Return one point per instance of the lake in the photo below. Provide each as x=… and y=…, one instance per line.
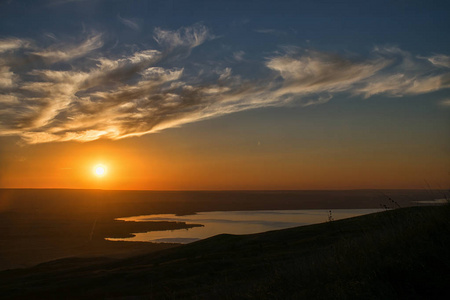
x=234, y=222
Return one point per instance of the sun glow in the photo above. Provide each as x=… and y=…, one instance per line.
x=100, y=170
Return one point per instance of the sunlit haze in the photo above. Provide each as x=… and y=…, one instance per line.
x=224, y=95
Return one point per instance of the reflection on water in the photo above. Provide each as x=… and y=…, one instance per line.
x=435, y=201
x=234, y=222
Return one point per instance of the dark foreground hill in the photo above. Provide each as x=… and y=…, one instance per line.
x=399, y=254
x=40, y=225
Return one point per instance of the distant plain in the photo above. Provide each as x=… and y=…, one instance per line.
x=38, y=225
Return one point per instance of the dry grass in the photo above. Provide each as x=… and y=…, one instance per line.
x=398, y=254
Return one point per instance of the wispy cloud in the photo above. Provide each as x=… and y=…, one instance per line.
x=445, y=102
x=7, y=78
x=407, y=75
x=271, y=31
x=129, y=23
x=313, y=72
x=107, y=96
x=188, y=37
x=238, y=55
x=64, y=52
x=13, y=44
x=440, y=60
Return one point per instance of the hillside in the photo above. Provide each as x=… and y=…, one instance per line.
x=398, y=254
x=40, y=225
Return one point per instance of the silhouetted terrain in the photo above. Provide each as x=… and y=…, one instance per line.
x=397, y=254
x=128, y=203
x=38, y=225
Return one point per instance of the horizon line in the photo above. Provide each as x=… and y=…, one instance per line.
x=228, y=190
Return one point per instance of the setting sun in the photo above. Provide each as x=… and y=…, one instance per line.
x=196, y=149
x=100, y=170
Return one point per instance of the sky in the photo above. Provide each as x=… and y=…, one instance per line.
x=225, y=95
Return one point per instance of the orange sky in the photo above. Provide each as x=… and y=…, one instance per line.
x=225, y=95
x=229, y=154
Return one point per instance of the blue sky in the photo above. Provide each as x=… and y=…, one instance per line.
x=415, y=25
x=80, y=70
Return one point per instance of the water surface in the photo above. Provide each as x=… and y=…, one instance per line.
x=234, y=222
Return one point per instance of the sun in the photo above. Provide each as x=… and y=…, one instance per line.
x=100, y=170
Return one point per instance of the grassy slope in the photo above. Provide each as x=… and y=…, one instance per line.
x=39, y=225
x=390, y=255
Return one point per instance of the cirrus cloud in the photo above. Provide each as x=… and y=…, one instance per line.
x=140, y=92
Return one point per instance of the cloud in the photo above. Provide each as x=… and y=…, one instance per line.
x=12, y=44
x=7, y=78
x=188, y=37
x=445, y=102
x=314, y=72
x=238, y=55
x=271, y=31
x=440, y=60
x=146, y=90
x=225, y=74
x=401, y=84
x=129, y=23
x=406, y=75
x=64, y=52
